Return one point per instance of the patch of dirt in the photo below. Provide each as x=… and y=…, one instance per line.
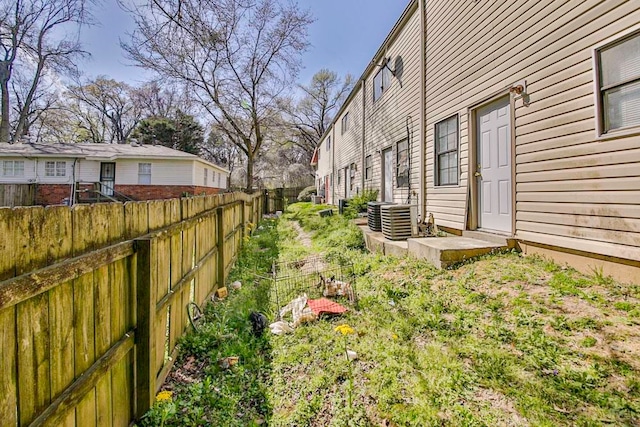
x=312, y=263
x=305, y=238
x=190, y=371
x=500, y=405
x=576, y=308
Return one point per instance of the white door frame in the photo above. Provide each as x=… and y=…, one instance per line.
x=473, y=212
x=383, y=167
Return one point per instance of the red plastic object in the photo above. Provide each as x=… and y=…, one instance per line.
x=325, y=306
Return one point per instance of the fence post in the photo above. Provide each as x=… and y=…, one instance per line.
x=220, y=231
x=244, y=217
x=145, y=320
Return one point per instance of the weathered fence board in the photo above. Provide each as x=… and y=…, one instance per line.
x=7, y=245
x=136, y=215
x=62, y=340
x=84, y=321
x=74, y=284
x=34, y=387
x=8, y=365
x=17, y=195
x=104, y=408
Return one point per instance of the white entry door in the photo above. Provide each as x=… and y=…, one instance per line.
x=347, y=183
x=387, y=175
x=494, y=161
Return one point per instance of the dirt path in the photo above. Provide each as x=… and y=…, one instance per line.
x=305, y=238
x=313, y=262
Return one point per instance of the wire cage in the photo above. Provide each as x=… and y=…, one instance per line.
x=314, y=276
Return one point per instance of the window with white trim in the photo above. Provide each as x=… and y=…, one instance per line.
x=446, y=155
x=328, y=145
x=13, y=168
x=55, y=168
x=144, y=173
x=381, y=81
x=352, y=176
x=206, y=172
x=345, y=124
x=368, y=167
x=618, y=81
x=402, y=163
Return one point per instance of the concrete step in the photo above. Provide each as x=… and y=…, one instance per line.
x=446, y=251
x=376, y=242
x=491, y=237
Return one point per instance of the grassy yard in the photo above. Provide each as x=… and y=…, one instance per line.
x=505, y=340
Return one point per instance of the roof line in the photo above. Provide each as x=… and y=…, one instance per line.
x=395, y=31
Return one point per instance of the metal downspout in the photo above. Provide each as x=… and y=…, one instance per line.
x=333, y=166
x=362, y=157
x=422, y=188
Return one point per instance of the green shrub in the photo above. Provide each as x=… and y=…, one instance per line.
x=359, y=201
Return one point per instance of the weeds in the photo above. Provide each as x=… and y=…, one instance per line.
x=205, y=393
x=506, y=340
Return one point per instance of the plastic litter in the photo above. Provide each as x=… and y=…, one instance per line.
x=352, y=355
x=296, y=307
x=236, y=285
x=325, y=306
x=280, y=328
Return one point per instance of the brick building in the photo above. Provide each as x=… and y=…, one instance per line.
x=64, y=173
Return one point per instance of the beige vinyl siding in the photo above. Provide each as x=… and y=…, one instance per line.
x=348, y=146
x=324, y=167
x=572, y=189
x=387, y=118
x=163, y=172
x=324, y=160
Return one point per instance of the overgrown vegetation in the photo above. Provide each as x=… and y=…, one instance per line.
x=505, y=340
x=358, y=203
x=202, y=391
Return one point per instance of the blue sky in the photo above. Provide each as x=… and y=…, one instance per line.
x=344, y=38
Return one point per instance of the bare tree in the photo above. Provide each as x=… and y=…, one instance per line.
x=109, y=104
x=219, y=150
x=43, y=99
x=56, y=124
x=36, y=32
x=239, y=57
x=162, y=100
x=308, y=117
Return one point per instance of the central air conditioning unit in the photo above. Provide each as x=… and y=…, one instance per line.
x=373, y=215
x=399, y=222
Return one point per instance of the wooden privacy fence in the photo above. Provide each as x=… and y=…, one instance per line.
x=93, y=300
x=17, y=194
x=276, y=199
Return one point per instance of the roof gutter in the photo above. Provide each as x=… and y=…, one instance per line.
x=395, y=31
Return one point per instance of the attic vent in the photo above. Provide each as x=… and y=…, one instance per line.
x=399, y=222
